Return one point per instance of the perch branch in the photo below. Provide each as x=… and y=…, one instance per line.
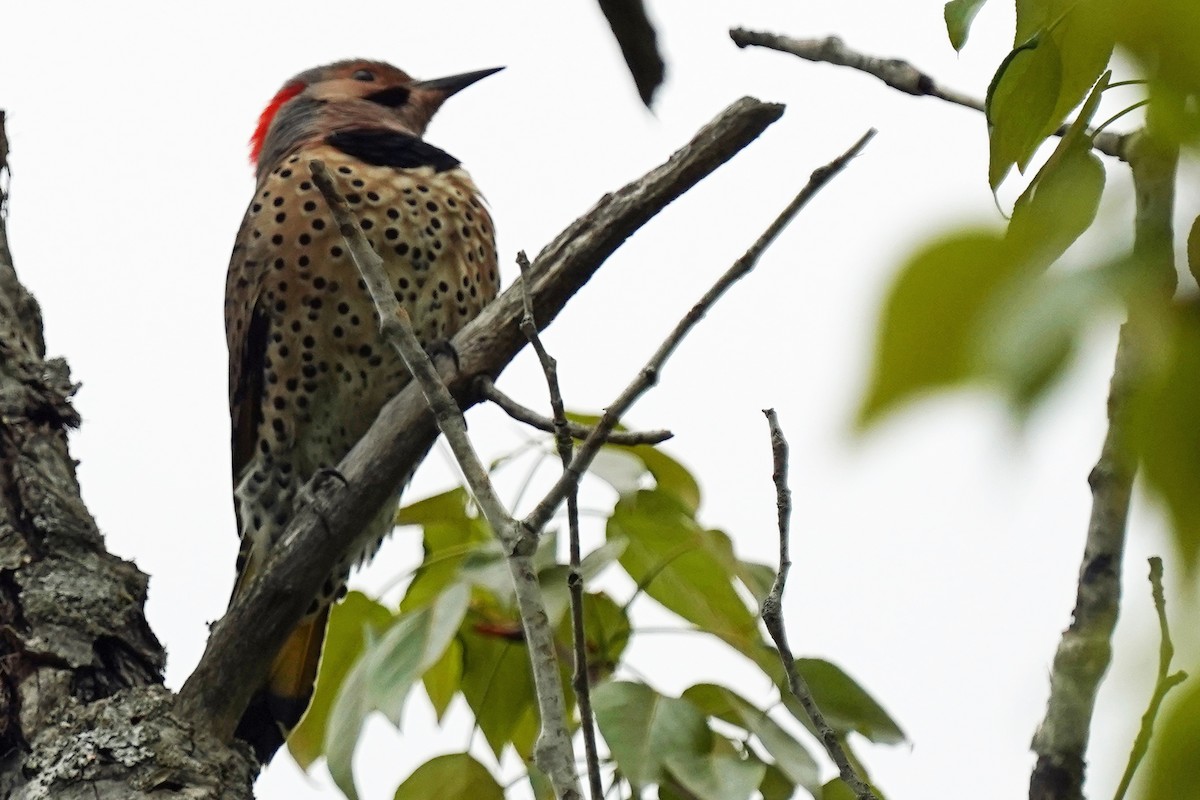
x=896, y=73
x=489, y=391
x=245, y=640
x=648, y=375
x=772, y=616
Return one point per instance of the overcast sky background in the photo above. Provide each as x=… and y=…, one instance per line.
x=935, y=558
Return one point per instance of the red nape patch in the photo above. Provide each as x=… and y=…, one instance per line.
x=268, y=114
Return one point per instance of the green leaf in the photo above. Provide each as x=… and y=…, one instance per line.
x=350, y=623
x=497, y=684
x=1175, y=749
x=846, y=705
x=775, y=785
x=959, y=15
x=718, y=774
x=606, y=634
x=1060, y=203
x=443, y=680
x=1162, y=35
x=929, y=334
x=454, y=540
x=1165, y=428
x=384, y=674
x=642, y=728
x=1020, y=103
x=789, y=755
x=1193, y=249
x=836, y=789
x=457, y=776
x=681, y=565
x=1061, y=47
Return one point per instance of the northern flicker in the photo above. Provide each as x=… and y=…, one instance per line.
x=308, y=371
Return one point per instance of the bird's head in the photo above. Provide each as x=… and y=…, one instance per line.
x=349, y=94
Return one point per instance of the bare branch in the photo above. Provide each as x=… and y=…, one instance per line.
x=1165, y=682
x=562, y=440
x=247, y=637
x=896, y=73
x=772, y=616
x=1085, y=649
x=489, y=391
x=649, y=373
x=553, y=752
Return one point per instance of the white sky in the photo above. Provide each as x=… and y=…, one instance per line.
x=935, y=559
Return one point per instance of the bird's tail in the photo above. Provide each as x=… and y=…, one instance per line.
x=277, y=707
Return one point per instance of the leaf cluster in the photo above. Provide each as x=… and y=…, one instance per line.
x=457, y=634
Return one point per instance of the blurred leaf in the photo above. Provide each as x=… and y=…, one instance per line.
x=682, y=565
x=1162, y=36
x=642, y=727
x=350, y=623
x=789, y=754
x=1037, y=329
x=757, y=578
x=1170, y=773
x=846, y=705
x=1193, y=249
x=928, y=337
x=1165, y=429
x=836, y=789
x=457, y=776
x=384, y=674
x=959, y=15
x=776, y=786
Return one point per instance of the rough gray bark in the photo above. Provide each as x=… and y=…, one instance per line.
x=83, y=713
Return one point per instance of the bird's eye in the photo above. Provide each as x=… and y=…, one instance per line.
x=363, y=75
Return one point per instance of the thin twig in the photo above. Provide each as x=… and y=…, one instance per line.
x=562, y=440
x=489, y=390
x=1165, y=682
x=553, y=751
x=772, y=616
x=896, y=73
x=648, y=375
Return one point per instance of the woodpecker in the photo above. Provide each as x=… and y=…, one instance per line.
x=308, y=370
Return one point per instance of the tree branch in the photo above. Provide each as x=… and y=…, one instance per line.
x=772, y=616
x=245, y=639
x=562, y=438
x=489, y=391
x=1085, y=649
x=896, y=73
x=648, y=375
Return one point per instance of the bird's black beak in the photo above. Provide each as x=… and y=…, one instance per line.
x=455, y=83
